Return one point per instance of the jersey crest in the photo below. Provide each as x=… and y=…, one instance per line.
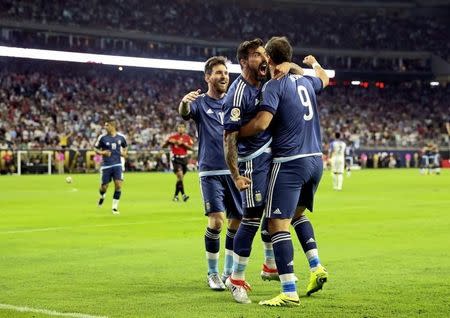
x=235, y=114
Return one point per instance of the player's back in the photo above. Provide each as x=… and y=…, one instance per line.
x=296, y=124
x=208, y=116
x=240, y=106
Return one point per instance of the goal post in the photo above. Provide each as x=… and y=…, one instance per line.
x=19, y=161
x=23, y=153
x=49, y=161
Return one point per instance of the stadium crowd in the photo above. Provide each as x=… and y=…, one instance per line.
x=43, y=109
x=339, y=27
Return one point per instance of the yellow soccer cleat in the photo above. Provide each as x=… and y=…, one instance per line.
x=281, y=301
x=316, y=280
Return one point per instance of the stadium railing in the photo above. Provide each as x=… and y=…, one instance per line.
x=51, y=161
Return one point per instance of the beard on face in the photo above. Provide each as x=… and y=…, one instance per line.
x=256, y=71
x=219, y=87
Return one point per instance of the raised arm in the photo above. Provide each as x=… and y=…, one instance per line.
x=320, y=72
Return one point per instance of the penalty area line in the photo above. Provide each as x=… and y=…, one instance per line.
x=47, y=312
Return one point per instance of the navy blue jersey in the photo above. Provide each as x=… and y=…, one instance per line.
x=240, y=106
x=207, y=114
x=113, y=144
x=295, y=125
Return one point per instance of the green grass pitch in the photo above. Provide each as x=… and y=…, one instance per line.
x=384, y=239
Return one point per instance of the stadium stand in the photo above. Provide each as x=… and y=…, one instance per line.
x=40, y=109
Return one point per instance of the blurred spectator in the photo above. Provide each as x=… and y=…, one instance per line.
x=341, y=27
x=60, y=161
x=363, y=160
x=392, y=161
x=45, y=109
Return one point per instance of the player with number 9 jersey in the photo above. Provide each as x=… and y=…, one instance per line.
x=293, y=99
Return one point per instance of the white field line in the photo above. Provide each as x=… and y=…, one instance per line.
x=59, y=228
x=47, y=312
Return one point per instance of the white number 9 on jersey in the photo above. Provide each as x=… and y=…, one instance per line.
x=306, y=101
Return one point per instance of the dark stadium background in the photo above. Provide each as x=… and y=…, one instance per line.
x=395, y=49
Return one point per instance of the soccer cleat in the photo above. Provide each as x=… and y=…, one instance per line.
x=100, y=202
x=175, y=199
x=282, y=300
x=238, y=290
x=269, y=273
x=115, y=212
x=215, y=283
x=316, y=280
x=185, y=197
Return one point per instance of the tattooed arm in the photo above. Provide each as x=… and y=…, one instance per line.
x=231, y=157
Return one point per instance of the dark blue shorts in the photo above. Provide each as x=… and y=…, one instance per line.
x=257, y=170
x=111, y=173
x=221, y=195
x=292, y=184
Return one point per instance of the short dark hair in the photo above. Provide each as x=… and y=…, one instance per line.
x=111, y=121
x=213, y=61
x=279, y=49
x=337, y=135
x=245, y=47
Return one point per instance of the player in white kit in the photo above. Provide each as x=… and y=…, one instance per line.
x=337, y=157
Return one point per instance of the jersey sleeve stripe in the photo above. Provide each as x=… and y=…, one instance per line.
x=97, y=143
x=239, y=94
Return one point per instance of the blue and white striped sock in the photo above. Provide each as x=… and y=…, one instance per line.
x=305, y=234
x=228, y=265
x=313, y=259
x=243, y=247
x=288, y=285
x=239, y=266
x=284, y=257
x=212, y=245
x=269, y=257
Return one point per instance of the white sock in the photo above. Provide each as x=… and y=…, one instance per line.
x=340, y=180
x=269, y=258
x=239, y=266
x=291, y=280
x=334, y=175
x=115, y=204
x=213, y=262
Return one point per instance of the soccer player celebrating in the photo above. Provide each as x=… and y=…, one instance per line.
x=218, y=190
x=180, y=143
x=290, y=105
x=337, y=157
x=249, y=160
x=251, y=173
x=112, y=146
